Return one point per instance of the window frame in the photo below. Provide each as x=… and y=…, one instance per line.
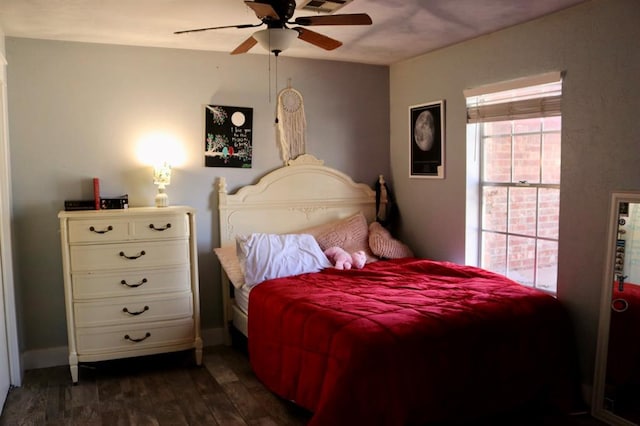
x=482, y=184
x=485, y=105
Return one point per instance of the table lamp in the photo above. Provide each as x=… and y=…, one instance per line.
x=162, y=177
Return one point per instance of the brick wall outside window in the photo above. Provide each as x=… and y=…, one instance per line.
x=521, y=194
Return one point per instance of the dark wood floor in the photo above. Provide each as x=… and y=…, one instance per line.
x=156, y=390
x=170, y=390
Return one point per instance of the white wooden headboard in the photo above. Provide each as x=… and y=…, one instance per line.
x=302, y=194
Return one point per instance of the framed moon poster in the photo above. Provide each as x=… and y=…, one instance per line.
x=427, y=140
x=228, y=136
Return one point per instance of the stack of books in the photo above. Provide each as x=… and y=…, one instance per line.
x=98, y=202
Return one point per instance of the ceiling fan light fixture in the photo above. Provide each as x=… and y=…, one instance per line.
x=276, y=40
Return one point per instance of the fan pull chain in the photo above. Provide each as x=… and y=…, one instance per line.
x=276, y=53
x=269, y=34
x=269, y=76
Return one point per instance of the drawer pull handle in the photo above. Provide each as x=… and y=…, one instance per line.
x=167, y=226
x=124, y=282
x=126, y=311
x=146, y=336
x=142, y=253
x=104, y=231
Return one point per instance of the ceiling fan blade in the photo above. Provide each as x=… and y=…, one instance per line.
x=245, y=46
x=317, y=39
x=218, y=28
x=343, y=19
x=262, y=10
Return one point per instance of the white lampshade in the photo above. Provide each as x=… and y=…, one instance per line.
x=276, y=40
x=162, y=174
x=162, y=177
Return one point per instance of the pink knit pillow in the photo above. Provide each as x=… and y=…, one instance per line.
x=231, y=264
x=350, y=234
x=382, y=244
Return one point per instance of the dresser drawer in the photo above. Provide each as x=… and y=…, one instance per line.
x=87, y=285
x=97, y=340
x=129, y=255
x=131, y=310
x=160, y=227
x=111, y=229
x=98, y=230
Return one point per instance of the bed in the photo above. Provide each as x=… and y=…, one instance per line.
x=401, y=341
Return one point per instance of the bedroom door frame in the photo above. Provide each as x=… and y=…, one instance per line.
x=10, y=368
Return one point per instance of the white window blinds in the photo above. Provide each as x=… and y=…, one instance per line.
x=539, y=96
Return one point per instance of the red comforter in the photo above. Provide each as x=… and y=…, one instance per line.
x=408, y=341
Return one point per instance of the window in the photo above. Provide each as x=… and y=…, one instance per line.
x=517, y=132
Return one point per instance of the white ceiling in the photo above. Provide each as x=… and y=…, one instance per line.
x=401, y=28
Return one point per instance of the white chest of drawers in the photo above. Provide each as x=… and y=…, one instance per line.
x=131, y=283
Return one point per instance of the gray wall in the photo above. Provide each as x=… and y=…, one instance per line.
x=598, y=45
x=80, y=110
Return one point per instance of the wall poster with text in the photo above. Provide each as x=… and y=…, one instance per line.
x=228, y=136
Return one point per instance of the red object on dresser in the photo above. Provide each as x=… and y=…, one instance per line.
x=96, y=193
x=408, y=341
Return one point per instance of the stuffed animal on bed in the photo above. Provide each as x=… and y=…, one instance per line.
x=341, y=259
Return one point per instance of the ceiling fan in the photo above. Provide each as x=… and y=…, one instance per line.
x=275, y=14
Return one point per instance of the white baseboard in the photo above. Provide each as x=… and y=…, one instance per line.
x=44, y=358
x=213, y=336
x=587, y=394
x=53, y=357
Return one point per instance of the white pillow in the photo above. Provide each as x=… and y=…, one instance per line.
x=267, y=256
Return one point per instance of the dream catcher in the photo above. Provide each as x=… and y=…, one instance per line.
x=291, y=123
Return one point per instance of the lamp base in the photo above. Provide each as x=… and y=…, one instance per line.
x=162, y=199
